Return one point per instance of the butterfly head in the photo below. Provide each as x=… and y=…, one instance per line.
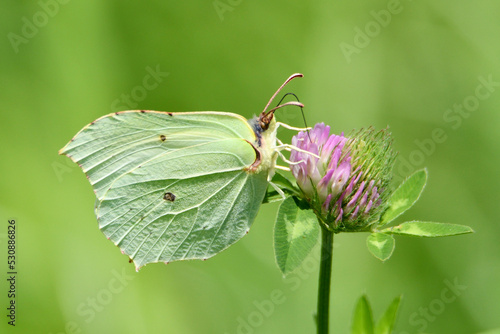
x=265, y=128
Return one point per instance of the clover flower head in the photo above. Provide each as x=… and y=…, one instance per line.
x=344, y=179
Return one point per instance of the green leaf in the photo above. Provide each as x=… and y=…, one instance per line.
x=284, y=184
x=363, y=319
x=428, y=229
x=386, y=323
x=295, y=234
x=381, y=245
x=272, y=196
x=405, y=196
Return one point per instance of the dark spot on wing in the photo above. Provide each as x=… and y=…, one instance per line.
x=117, y=113
x=130, y=260
x=163, y=138
x=143, y=111
x=170, y=114
x=169, y=197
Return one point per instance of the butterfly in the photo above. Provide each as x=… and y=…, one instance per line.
x=178, y=185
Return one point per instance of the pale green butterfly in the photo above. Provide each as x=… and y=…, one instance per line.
x=178, y=186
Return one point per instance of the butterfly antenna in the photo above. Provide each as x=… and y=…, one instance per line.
x=291, y=103
x=293, y=76
x=286, y=96
x=301, y=110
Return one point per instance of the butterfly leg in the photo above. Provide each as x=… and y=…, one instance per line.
x=289, y=127
x=286, y=169
x=288, y=147
x=278, y=189
x=288, y=161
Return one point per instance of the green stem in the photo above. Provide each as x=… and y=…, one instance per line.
x=325, y=274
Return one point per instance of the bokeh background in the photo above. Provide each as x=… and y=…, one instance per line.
x=429, y=70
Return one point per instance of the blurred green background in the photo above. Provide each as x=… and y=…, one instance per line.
x=417, y=66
